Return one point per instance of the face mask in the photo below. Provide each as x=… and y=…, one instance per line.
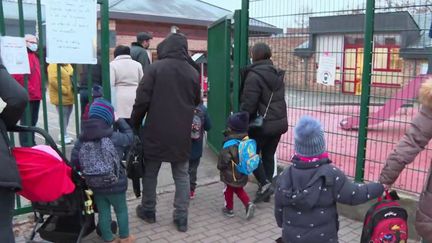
x=33, y=47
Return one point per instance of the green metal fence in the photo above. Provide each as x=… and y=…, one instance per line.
x=49, y=119
x=370, y=58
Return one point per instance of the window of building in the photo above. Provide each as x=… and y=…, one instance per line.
x=386, y=58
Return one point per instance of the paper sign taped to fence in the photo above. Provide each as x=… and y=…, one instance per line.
x=71, y=28
x=326, y=70
x=14, y=55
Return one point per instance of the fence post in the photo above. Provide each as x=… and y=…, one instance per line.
x=104, y=20
x=237, y=63
x=365, y=93
x=42, y=63
x=60, y=109
x=27, y=114
x=2, y=20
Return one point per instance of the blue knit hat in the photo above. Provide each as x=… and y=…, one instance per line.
x=239, y=122
x=102, y=109
x=309, y=137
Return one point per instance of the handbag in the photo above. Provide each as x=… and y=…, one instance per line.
x=258, y=122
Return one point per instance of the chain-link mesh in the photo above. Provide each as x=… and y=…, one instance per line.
x=323, y=41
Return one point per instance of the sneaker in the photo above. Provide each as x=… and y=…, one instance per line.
x=192, y=194
x=250, y=210
x=181, y=224
x=68, y=139
x=147, y=216
x=228, y=212
x=264, y=193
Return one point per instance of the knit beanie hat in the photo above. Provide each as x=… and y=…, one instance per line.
x=97, y=91
x=309, y=137
x=103, y=110
x=239, y=122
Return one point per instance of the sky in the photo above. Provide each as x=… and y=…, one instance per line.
x=227, y=4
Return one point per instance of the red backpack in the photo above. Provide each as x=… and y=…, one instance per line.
x=385, y=221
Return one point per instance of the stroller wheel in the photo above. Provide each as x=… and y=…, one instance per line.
x=113, y=228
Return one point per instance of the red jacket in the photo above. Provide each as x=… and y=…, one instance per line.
x=34, y=78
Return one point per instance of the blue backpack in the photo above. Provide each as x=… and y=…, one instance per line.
x=248, y=158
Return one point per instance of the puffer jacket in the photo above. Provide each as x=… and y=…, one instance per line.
x=16, y=99
x=306, y=196
x=412, y=143
x=260, y=80
x=228, y=157
x=66, y=84
x=94, y=129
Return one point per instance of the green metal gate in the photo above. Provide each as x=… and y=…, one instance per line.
x=219, y=73
x=382, y=51
x=46, y=123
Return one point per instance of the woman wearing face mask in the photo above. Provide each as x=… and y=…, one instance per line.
x=34, y=89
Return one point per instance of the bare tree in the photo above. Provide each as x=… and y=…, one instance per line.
x=302, y=19
x=413, y=6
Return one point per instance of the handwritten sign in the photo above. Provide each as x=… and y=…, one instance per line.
x=14, y=55
x=326, y=70
x=71, y=31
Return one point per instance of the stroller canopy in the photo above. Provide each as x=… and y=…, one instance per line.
x=45, y=177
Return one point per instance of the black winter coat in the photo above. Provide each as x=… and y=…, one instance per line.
x=167, y=96
x=95, y=129
x=306, y=196
x=139, y=54
x=228, y=173
x=16, y=98
x=260, y=79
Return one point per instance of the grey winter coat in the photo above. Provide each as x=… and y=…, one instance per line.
x=412, y=143
x=306, y=196
x=167, y=97
x=16, y=98
x=139, y=54
x=95, y=129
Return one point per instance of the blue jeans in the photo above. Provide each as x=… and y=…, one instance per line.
x=6, y=214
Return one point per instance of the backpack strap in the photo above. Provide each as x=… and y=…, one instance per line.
x=231, y=142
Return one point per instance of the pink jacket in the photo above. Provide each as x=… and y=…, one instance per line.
x=34, y=78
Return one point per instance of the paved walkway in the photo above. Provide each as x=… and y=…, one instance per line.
x=207, y=224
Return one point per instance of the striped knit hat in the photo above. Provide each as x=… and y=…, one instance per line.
x=102, y=109
x=309, y=137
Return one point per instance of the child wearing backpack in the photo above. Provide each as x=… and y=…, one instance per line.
x=237, y=129
x=307, y=192
x=200, y=123
x=97, y=154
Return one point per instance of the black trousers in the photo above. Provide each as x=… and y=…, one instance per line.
x=27, y=139
x=267, y=146
x=7, y=197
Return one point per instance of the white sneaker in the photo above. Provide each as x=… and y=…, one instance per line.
x=68, y=139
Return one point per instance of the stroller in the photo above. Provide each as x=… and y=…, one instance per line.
x=69, y=218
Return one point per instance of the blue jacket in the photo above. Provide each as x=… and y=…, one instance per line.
x=306, y=196
x=197, y=145
x=94, y=129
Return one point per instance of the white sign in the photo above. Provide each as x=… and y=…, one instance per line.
x=424, y=68
x=71, y=31
x=326, y=69
x=14, y=55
